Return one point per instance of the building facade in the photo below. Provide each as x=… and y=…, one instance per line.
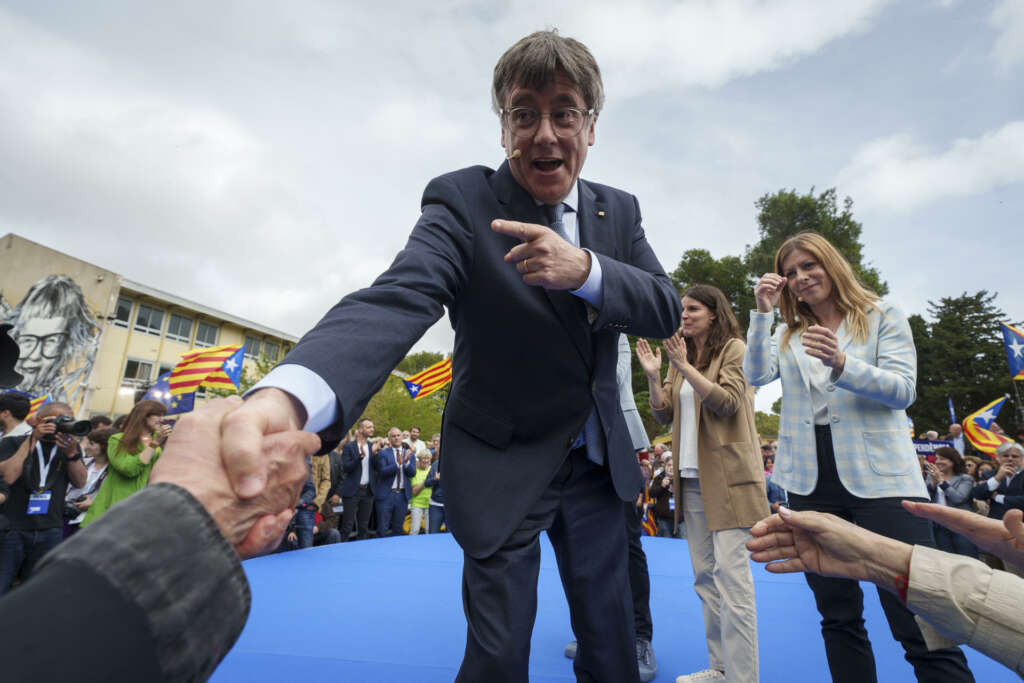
x=97, y=340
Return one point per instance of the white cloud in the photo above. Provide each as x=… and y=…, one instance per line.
x=1008, y=20
x=898, y=174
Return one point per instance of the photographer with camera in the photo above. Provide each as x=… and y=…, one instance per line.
x=38, y=467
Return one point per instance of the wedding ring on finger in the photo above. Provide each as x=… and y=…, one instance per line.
x=526, y=268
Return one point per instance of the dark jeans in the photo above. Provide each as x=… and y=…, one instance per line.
x=583, y=518
x=21, y=550
x=361, y=503
x=435, y=519
x=639, y=578
x=952, y=542
x=841, y=601
x=304, y=521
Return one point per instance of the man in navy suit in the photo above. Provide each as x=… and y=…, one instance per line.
x=1005, y=489
x=357, y=490
x=540, y=272
x=394, y=465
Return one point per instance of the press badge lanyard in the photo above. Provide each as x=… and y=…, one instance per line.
x=44, y=467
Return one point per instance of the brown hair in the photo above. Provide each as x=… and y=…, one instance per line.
x=724, y=325
x=536, y=60
x=100, y=436
x=953, y=455
x=135, y=424
x=852, y=299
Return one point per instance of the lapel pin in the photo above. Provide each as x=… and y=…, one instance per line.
x=600, y=213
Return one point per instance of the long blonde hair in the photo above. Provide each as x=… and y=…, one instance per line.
x=852, y=299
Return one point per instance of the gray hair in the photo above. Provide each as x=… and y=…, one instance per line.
x=536, y=60
x=1008, y=445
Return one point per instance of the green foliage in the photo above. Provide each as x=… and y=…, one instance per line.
x=960, y=355
x=786, y=213
x=777, y=406
x=415, y=362
x=780, y=216
x=767, y=425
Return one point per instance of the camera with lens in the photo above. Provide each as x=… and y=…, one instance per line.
x=66, y=424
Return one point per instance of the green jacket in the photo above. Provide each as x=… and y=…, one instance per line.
x=126, y=474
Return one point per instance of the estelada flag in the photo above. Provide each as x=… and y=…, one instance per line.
x=1013, y=340
x=428, y=381
x=35, y=403
x=218, y=367
x=976, y=427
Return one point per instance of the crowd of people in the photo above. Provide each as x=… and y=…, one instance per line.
x=840, y=495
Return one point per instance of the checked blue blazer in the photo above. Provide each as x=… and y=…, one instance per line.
x=875, y=457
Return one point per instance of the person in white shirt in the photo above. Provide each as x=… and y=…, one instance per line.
x=14, y=408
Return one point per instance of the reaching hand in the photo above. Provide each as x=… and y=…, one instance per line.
x=767, y=291
x=1003, y=538
x=827, y=545
x=650, y=361
x=244, y=432
x=544, y=258
x=192, y=460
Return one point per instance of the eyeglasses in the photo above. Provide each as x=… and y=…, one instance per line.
x=51, y=344
x=567, y=122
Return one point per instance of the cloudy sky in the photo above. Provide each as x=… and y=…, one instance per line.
x=265, y=158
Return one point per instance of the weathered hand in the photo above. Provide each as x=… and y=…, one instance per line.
x=825, y=544
x=193, y=461
x=1003, y=538
x=822, y=343
x=767, y=291
x=243, y=436
x=544, y=258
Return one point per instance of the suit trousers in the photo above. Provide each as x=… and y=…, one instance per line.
x=391, y=511
x=639, y=577
x=356, y=508
x=725, y=585
x=583, y=517
x=841, y=601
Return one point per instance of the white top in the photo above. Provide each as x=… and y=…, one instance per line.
x=21, y=429
x=364, y=476
x=820, y=377
x=687, y=432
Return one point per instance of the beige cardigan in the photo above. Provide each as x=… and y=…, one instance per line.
x=728, y=455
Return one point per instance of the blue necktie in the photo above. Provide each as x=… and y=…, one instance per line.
x=591, y=435
x=554, y=215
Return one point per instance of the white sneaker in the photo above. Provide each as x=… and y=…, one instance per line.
x=705, y=675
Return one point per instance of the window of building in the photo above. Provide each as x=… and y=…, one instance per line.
x=206, y=334
x=252, y=347
x=271, y=350
x=123, y=312
x=164, y=369
x=179, y=328
x=149, y=320
x=137, y=373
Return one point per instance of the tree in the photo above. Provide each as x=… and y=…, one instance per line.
x=786, y=213
x=767, y=425
x=959, y=356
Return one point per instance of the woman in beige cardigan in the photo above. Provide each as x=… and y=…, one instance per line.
x=718, y=470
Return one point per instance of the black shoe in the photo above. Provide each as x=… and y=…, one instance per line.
x=645, y=660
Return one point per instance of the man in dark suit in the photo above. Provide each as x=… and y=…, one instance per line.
x=360, y=481
x=540, y=272
x=1005, y=489
x=394, y=465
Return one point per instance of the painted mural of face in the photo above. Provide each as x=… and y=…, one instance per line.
x=43, y=343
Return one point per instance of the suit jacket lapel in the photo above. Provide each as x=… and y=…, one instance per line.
x=796, y=348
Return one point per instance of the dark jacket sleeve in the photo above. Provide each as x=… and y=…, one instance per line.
x=177, y=628
x=981, y=491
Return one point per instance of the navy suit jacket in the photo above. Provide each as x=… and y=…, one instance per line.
x=351, y=463
x=528, y=367
x=1011, y=488
x=384, y=464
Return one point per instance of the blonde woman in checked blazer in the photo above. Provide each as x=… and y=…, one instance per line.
x=849, y=370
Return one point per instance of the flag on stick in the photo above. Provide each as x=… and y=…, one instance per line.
x=976, y=427
x=218, y=367
x=1013, y=340
x=35, y=403
x=428, y=381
